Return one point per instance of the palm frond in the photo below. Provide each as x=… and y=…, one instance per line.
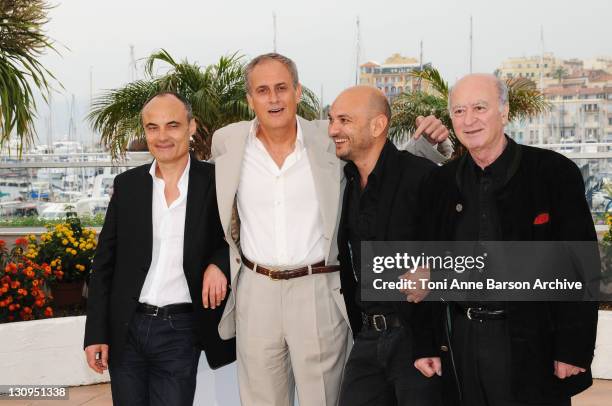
x=22, y=41
x=216, y=92
x=433, y=76
x=525, y=99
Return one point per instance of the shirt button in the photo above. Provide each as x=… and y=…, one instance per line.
x=459, y=207
x=444, y=348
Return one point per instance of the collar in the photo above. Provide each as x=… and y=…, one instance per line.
x=184, y=179
x=252, y=137
x=503, y=168
x=350, y=169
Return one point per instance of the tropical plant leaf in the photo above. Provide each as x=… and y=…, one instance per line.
x=216, y=92
x=22, y=41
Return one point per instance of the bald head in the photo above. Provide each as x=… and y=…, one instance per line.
x=480, y=80
x=479, y=109
x=358, y=122
x=371, y=99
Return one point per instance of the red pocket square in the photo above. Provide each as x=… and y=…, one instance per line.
x=541, y=218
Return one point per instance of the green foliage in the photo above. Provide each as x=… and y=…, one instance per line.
x=34, y=221
x=22, y=41
x=217, y=94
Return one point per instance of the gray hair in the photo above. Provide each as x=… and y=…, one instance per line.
x=178, y=96
x=272, y=56
x=502, y=92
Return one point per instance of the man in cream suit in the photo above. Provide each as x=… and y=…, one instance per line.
x=278, y=189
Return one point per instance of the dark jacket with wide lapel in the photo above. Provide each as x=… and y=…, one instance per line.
x=539, y=182
x=123, y=258
x=399, y=218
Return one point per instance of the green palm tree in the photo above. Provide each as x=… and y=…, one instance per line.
x=560, y=73
x=217, y=94
x=524, y=98
x=22, y=41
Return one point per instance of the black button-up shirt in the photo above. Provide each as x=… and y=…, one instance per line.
x=362, y=221
x=480, y=219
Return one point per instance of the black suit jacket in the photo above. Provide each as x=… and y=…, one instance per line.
x=540, y=181
x=400, y=218
x=123, y=258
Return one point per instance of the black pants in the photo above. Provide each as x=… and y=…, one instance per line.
x=160, y=363
x=482, y=354
x=380, y=371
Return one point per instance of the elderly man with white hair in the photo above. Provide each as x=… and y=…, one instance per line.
x=510, y=353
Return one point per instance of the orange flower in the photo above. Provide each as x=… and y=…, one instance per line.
x=11, y=307
x=2, y=244
x=48, y=312
x=21, y=241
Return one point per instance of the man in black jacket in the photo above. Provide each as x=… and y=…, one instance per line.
x=381, y=203
x=511, y=353
x=160, y=262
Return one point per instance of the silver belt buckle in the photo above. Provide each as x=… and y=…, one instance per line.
x=468, y=313
x=156, y=311
x=381, y=317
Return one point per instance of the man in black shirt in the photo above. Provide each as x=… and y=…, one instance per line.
x=511, y=353
x=381, y=203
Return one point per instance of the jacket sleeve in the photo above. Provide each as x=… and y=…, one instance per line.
x=220, y=256
x=98, y=301
x=423, y=148
x=427, y=315
x=575, y=323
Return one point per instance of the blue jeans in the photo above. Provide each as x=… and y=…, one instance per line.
x=159, y=364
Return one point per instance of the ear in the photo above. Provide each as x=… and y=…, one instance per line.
x=250, y=100
x=192, y=127
x=378, y=125
x=505, y=114
x=298, y=92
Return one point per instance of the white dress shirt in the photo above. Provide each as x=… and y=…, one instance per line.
x=165, y=282
x=280, y=219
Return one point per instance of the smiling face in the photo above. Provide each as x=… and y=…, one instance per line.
x=272, y=95
x=475, y=111
x=355, y=124
x=167, y=129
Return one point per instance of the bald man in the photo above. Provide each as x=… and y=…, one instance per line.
x=511, y=353
x=381, y=203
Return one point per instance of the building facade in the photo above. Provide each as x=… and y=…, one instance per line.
x=393, y=76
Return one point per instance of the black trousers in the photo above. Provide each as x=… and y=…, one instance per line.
x=380, y=372
x=160, y=363
x=482, y=354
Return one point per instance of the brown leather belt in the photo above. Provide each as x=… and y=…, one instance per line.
x=313, y=269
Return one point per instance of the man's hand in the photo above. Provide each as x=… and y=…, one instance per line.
x=432, y=128
x=214, y=287
x=429, y=366
x=418, y=293
x=563, y=370
x=98, y=364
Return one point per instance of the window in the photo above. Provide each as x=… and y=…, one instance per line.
x=609, y=120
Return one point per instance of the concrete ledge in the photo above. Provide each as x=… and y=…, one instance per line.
x=602, y=363
x=46, y=352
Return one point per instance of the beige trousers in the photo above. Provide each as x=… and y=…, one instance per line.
x=290, y=334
